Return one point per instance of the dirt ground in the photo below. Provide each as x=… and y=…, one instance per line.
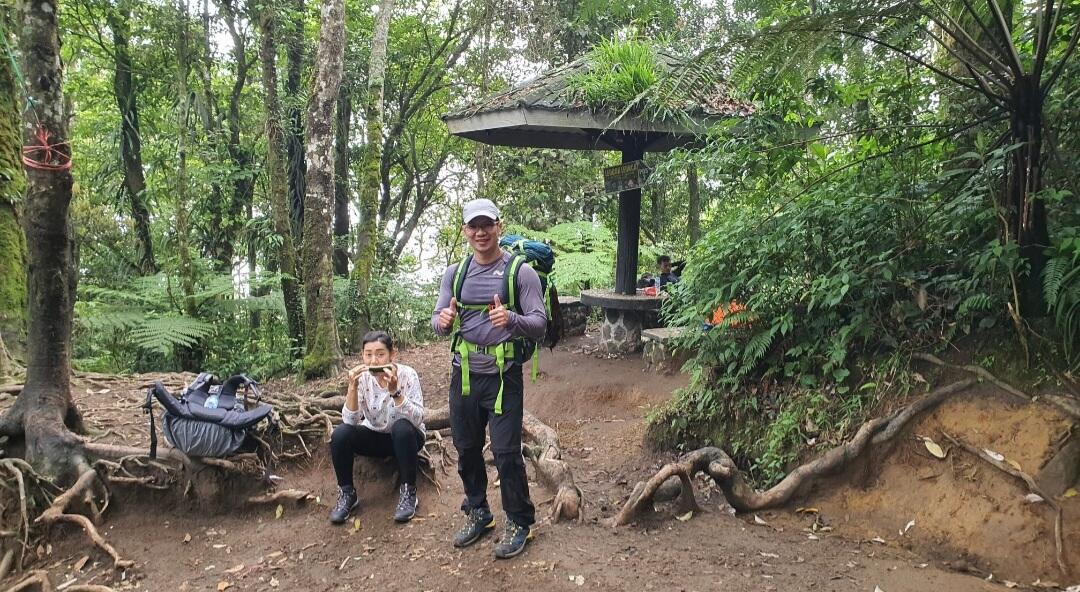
x=972, y=531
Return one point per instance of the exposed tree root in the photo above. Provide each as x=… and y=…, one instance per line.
x=744, y=498
x=40, y=579
x=58, y=512
x=1033, y=487
x=978, y=371
x=297, y=496
x=546, y=456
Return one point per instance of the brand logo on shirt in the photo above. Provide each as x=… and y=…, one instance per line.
x=497, y=273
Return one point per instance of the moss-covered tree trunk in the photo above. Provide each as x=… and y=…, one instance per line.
x=44, y=412
x=323, y=356
x=12, y=186
x=370, y=180
x=279, y=182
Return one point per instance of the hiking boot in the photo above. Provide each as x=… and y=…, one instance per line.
x=346, y=503
x=513, y=540
x=478, y=522
x=406, y=506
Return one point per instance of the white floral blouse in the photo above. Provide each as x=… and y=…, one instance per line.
x=377, y=410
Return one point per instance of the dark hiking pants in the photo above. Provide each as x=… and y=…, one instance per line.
x=470, y=416
x=403, y=443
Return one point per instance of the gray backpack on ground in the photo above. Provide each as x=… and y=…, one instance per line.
x=197, y=430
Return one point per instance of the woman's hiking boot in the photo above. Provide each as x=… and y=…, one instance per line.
x=346, y=503
x=406, y=507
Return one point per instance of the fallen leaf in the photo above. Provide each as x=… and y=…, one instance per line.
x=356, y=524
x=81, y=563
x=1070, y=492
x=187, y=537
x=1033, y=498
x=806, y=510
x=685, y=516
x=279, y=512
x=933, y=448
x=1009, y=584
x=994, y=455
x=812, y=537
x=908, y=526
x=1012, y=463
x=223, y=585
x=758, y=520
x=235, y=569
x=878, y=540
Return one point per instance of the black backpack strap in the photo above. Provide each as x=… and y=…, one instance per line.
x=148, y=407
x=459, y=277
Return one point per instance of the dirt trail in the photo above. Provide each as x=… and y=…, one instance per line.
x=598, y=406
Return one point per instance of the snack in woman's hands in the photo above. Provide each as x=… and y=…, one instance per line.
x=384, y=368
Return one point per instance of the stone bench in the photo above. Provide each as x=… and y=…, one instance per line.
x=659, y=352
x=575, y=315
x=625, y=316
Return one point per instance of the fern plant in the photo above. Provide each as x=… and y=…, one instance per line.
x=1061, y=282
x=142, y=324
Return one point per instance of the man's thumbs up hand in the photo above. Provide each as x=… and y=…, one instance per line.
x=500, y=317
x=447, y=315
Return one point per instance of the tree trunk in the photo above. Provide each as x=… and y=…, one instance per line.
x=130, y=138
x=370, y=175
x=294, y=133
x=323, y=355
x=12, y=186
x=216, y=243
x=44, y=410
x=243, y=184
x=191, y=359
x=695, y=204
x=1026, y=214
x=279, y=199
x=341, y=186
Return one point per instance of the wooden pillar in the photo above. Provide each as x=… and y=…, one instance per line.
x=626, y=255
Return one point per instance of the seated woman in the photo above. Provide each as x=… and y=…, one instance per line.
x=383, y=416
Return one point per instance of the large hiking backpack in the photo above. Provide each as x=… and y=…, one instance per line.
x=541, y=258
x=197, y=430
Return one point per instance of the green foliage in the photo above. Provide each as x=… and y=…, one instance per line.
x=1061, y=280
x=619, y=72
x=140, y=326
x=584, y=254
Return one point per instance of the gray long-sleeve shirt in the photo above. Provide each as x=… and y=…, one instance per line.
x=482, y=283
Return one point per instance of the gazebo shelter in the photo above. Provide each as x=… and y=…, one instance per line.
x=543, y=113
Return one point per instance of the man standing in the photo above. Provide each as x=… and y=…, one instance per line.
x=493, y=306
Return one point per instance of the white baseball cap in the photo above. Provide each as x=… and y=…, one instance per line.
x=479, y=207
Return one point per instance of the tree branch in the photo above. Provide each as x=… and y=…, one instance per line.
x=913, y=58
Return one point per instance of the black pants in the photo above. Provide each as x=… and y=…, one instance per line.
x=469, y=417
x=403, y=442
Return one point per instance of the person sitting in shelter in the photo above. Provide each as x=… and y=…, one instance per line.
x=383, y=416
x=664, y=271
